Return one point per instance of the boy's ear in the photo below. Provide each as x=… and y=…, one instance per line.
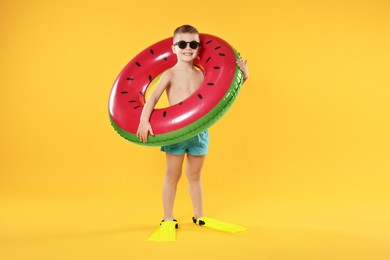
x=173, y=49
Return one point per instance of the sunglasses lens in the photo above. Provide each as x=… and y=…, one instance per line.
x=194, y=45
x=182, y=44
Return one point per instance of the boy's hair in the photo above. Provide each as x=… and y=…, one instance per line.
x=185, y=29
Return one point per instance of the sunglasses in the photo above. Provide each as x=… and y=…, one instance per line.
x=183, y=44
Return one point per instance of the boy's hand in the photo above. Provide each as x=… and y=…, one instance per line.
x=143, y=131
x=243, y=68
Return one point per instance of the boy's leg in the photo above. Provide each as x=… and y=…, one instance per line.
x=174, y=165
x=193, y=172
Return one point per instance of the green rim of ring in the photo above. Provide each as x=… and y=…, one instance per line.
x=196, y=127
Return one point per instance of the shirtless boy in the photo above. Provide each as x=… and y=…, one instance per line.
x=179, y=82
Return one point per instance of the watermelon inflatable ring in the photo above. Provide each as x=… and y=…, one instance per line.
x=222, y=82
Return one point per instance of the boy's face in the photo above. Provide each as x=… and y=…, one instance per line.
x=188, y=53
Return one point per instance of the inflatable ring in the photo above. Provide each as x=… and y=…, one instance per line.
x=173, y=124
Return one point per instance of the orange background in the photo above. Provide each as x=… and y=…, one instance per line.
x=301, y=159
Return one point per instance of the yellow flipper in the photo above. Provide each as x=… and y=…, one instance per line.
x=165, y=232
x=218, y=225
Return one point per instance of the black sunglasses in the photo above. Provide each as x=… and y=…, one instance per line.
x=183, y=44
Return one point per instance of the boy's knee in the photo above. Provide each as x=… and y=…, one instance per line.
x=193, y=176
x=172, y=176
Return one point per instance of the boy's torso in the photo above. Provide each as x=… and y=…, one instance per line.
x=182, y=84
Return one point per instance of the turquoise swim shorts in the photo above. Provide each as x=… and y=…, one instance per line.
x=197, y=145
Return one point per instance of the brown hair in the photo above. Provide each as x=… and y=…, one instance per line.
x=185, y=29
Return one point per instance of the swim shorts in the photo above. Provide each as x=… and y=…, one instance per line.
x=197, y=145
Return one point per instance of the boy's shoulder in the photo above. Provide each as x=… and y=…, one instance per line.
x=167, y=73
x=170, y=73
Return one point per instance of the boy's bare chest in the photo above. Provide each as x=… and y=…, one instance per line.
x=186, y=82
x=182, y=85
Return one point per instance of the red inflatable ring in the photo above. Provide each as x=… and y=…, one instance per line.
x=222, y=82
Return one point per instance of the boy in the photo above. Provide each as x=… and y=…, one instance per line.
x=180, y=81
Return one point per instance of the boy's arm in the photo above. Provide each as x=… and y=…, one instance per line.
x=144, y=127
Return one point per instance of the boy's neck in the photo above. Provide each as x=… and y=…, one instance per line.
x=184, y=64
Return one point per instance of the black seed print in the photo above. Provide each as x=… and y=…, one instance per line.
x=138, y=64
x=210, y=84
x=209, y=42
x=208, y=59
x=132, y=101
x=218, y=47
x=129, y=78
x=151, y=51
x=165, y=58
x=137, y=107
x=150, y=78
x=221, y=54
x=181, y=103
x=142, y=94
x=165, y=114
x=217, y=67
x=124, y=92
x=200, y=96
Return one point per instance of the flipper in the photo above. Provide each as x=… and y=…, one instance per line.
x=218, y=225
x=165, y=232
